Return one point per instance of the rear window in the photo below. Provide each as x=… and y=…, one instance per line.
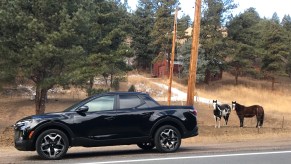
x=149, y=101
x=129, y=101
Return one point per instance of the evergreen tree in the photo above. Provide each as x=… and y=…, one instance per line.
x=213, y=43
x=163, y=25
x=61, y=42
x=143, y=21
x=183, y=24
x=185, y=51
x=286, y=22
x=101, y=27
x=275, y=44
x=244, y=34
x=37, y=40
x=214, y=14
x=275, y=18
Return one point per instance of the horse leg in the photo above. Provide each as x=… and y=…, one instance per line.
x=219, y=122
x=258, y=120
x=241, y=122
x=262, y=120
x=226, y=119
x=215, y=119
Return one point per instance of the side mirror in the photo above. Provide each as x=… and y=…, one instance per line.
x=82, y=109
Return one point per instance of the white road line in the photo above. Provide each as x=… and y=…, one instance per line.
x=190, y=157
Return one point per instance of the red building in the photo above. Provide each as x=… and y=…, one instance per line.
x=160, y=66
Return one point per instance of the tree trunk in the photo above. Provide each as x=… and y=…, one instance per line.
x=40, y=99
x=236, y=75
x=273, y=83
x=91, y=83
x=207, y=76
x=111, y=80
x=105, y=76
x=236, y=78
x=220, y=73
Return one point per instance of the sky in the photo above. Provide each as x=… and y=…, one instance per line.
x=265, y=8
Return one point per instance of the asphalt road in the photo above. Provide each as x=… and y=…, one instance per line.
x=280, y=157
x=278, y=152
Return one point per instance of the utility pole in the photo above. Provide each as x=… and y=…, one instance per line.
x=172, y=56
x=194, y=54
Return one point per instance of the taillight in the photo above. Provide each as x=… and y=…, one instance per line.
x=194, y=111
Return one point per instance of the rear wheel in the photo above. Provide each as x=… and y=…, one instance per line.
x=167, y=139
x=146, y=145
x=52, y=144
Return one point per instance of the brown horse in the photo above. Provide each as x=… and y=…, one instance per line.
x=251, y=111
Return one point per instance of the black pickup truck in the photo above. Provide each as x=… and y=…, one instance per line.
x=115, y=118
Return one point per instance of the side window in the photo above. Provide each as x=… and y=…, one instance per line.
x=129, y=101
x=101, y=104
x=149, y=102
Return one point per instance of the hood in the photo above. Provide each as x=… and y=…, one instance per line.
x=46, y=116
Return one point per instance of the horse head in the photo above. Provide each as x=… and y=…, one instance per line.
x=214, y=104
x=233, y=105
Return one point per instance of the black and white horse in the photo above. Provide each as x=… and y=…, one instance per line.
x=219, y=111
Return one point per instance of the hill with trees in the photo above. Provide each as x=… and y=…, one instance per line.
x=70, y=42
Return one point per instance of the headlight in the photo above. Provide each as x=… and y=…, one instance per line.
x=24, y=124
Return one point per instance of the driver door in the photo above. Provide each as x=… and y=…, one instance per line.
x=98, y=123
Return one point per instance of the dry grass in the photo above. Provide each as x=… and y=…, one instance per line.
x=248, y=92
x=144, y=84
x=271, y=101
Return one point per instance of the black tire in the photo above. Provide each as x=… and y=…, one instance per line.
x=146, y=145
x=167, y=139
x=52, y=144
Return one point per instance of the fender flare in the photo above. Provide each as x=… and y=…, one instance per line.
x=173, y=120
x=52, y=123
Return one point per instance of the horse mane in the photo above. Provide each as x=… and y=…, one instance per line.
x=239, y=106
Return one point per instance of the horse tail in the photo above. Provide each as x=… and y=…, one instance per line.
x=262, y=118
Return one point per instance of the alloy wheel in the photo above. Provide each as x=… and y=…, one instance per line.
x=52, y=144
x=169, y=139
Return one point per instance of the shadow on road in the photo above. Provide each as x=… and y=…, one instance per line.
x=112, y=153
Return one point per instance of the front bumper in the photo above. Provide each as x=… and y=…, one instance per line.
x=21, y=142
x=24, y=145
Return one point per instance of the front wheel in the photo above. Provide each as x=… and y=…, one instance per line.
x=167, y=139
x=52, y=144
x=146, y=145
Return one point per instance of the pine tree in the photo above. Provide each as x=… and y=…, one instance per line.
x=36, y=34
x=183, y=24
x=244, y=34
x=63, y=42
x=275, y=44
x=286, y=22
x=143, y=21
x=213, y=42
x=275, y=18
x=101, y=27
x=163, y=25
